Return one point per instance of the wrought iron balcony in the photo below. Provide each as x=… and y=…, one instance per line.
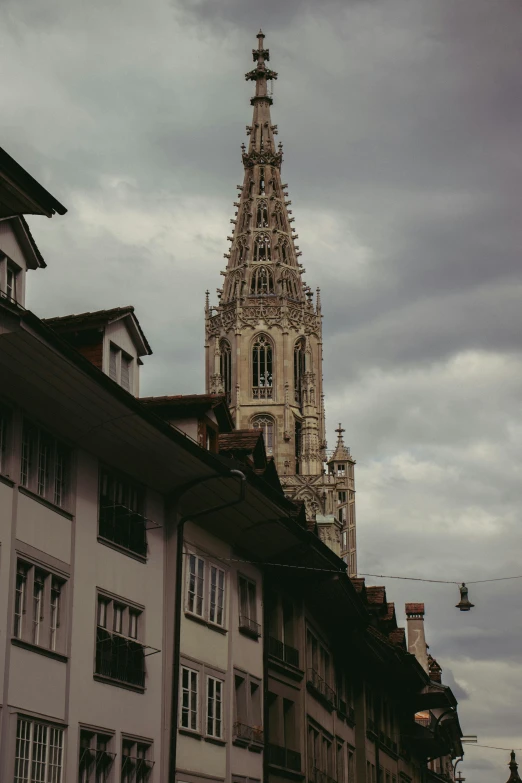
x=119, y=658
x=320, y=686
x=283, y=651
x=284, y=757
x=124, y=527
x=318, y=776
x=249, y=626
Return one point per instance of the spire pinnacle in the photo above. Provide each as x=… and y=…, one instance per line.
x=341, y=452
x=514, y=777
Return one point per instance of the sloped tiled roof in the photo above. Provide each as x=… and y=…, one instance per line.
x=239, y=440
x=95, y=320
x=173, y=406
x=21, y=194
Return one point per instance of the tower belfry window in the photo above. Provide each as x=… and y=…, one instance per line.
x=262, y=249
x=262, y=372
x=262, y=215
x=262, y=281
x=261, y=181
x=225, y=368
x=299, y=369
x=265, y=423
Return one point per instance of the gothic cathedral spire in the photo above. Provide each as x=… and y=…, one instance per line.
x=264, y=339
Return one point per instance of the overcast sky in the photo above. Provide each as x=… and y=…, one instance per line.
x=401, y=122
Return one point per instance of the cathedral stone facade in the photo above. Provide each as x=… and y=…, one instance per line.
x=263, y=341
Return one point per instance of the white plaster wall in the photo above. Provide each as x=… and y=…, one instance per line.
x=6, y=506
x=188, y=426
x=10, y=247
x=119, y=334
x=43, y=528
x=37, y=683
x=98, y=566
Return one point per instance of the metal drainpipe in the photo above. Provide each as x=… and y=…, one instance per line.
x=378, y=712
x=178, y=592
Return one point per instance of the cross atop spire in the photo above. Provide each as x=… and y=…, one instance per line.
x=341, y=451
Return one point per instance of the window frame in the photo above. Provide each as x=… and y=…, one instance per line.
x=142, y=773
x=116, y=358
x=209, y=563
x=97, y=736
x=129, y=501
x=6, y=435
x=262, y=367
x=35, y=624
x=46, y=465
x=214, y=716
x=268, y=429
x=202, y=672
x=107, y=641
x=7, y=267
x=41, y=728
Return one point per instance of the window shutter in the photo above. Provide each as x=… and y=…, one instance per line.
x=112, y=364
x=125, y=372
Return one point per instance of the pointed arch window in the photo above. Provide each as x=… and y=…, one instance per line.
x=262, y=248
x=266, y=424
x=262, y=215
x=289, y=285
x=262, y=281
x=262, y=368
x=261, y=181
x=242, y=245
x=225, y=368
x=299, y=370
x=279, y=219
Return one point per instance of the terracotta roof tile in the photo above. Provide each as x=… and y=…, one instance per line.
x=183, y=400
x=359, y=584
x=239, y=440
x=84, y=320
x=398, y=637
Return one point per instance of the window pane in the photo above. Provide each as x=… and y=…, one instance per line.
x=38, y=605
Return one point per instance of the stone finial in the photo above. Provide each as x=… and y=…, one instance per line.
x=341, y=452
x=514, y=777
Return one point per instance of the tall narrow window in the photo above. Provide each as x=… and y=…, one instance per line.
x=299, y=369
x=4, y=428
x=44, y=465
x=225, y=368
x=196, y=576
x=247, y=607
x=262, y=215
x=126, y=371
x=266, y=424
x=261, y=182
x=21, y=586
x=189, y=718
x=214, y=707
x=39, y=752
x=217, y=596
x=262, y=248
x=262, y=375
x=113, y=362
x=10, y=282
x=38, y=615
x=262, y=282
x=54, y=618
x=297, y=444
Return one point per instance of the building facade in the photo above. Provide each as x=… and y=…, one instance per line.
x=263, y=342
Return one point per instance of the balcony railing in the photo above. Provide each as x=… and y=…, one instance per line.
x=119, y=658
x=318, y=776
x=124, y=527
x=262, y=392
x=283, y=651
x=244, y=734
x=249, y=626
x=321, y=686
x=284, y=757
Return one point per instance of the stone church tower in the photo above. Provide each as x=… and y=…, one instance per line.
x=263, y=341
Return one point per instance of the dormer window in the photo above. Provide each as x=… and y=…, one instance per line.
x=120, y=367
x=9, y=280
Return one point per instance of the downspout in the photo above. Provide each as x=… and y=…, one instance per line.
x=378, y=712
x=178, y=593
x=265, y=677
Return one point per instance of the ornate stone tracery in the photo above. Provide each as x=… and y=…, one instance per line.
x=264, y=339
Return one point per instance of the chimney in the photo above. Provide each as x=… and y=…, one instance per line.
x=416, y=638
